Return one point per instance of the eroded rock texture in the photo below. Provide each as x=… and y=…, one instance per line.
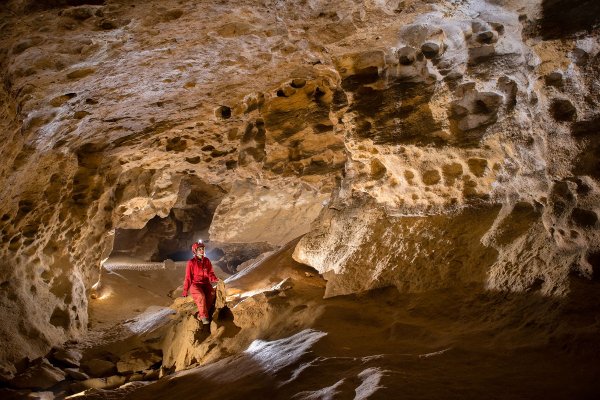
x=420, y=144
x=473, y=112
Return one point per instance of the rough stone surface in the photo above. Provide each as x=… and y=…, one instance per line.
x=187, y=341
x=137, y=360
x=99, y=368
x=102, y=383
x=76, y=374
x=42, y=375
x=41, y=395
x=416, y=144
x=504, y=140
x=68, y=357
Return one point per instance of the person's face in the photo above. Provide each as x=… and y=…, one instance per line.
x=200, y=252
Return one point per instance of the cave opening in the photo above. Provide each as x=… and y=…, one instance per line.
x=170, y=237
x=160, y=239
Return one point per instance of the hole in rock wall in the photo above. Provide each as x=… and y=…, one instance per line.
x=561, y=18
x=60, y=318
x=233, y=257
x=171, y=237
x=594, y=260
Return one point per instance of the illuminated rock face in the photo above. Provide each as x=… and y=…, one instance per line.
x=462, y=119
x=431, y=144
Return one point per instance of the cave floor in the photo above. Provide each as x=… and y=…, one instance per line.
x=459, y=342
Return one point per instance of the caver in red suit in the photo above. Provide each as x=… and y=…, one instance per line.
x=199, y=275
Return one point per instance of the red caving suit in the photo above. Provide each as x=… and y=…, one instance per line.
x=198, y=277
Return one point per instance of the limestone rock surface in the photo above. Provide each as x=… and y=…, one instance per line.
x=137, y=360
x=68, y=357
x=76, y=374
x=416, y=144
x=102, y=383
x=42, y=375
x=99, y=368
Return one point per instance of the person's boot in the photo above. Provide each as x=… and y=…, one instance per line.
x=205, y=321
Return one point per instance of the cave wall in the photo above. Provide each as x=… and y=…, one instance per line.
x=171, y=236
x=487, y=112
x=420, y=144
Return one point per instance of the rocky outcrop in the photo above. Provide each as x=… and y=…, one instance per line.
x=415, y=144
x=41, y=375
x=502, y=145
x=67, y=357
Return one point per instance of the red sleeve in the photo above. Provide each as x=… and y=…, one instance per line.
x=211, y=272
x=188, y=278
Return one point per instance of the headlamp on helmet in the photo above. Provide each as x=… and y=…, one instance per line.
x=199, y=244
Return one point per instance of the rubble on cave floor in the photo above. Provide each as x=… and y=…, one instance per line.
x=286, y=339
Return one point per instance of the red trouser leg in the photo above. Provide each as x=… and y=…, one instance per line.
x=203, y=296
